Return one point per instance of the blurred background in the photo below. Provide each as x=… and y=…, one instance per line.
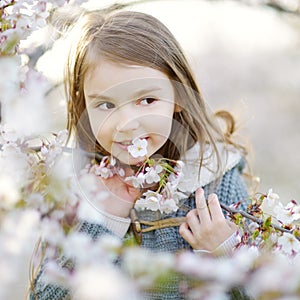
x=246, y=57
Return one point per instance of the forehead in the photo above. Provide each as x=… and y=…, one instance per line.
x=107, y=77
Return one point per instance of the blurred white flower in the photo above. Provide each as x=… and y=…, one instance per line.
x=89, y=212
x=59, y=176
x=79, y=2
x=91, y=198
x=88, y=185
x=77, y=246
x=8, y=135
x=52, y=232
x=271, y=195
x=145, y=266
x=18, y=236
x=289, y=243
x=269, y=203
x=28, y=113
x=37, y=201
x=55, y=274
x=275, y=275
x=96, y=282
x=9, y=80
x=14, y=164
x=138, y=148
x=19, y=227
x=9, y=192
x=287, y=214
x=108, y=247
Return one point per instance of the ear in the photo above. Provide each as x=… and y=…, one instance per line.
x=177, y=108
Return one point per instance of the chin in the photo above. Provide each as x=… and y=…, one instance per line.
x=129, y=160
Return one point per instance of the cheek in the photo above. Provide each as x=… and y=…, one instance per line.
x=160, y=126
x=100, y=127
x=162, y=122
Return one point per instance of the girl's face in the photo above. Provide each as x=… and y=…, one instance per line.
x=125, y=102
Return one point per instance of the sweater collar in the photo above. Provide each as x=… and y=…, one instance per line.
x=193, y=179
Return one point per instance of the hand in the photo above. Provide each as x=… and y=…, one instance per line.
x=206, y=227
x=121, y=195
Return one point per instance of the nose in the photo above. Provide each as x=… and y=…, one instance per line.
x=127, y=120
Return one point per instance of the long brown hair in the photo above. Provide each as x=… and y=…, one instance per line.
x=137, y=38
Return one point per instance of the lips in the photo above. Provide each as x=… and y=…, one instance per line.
x=125, y=144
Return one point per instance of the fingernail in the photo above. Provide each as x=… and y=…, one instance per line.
x=200, y=191
x=211, y=197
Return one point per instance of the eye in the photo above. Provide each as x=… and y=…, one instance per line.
x=147, y=101
x=106, y=105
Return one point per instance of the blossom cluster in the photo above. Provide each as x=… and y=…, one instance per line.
x=272, y=224
x=157, y=178
x=160, y=180
x=19, y=18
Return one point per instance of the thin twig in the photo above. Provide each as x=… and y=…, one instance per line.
x=252, y=218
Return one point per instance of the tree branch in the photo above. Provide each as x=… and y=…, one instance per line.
x=254, y=219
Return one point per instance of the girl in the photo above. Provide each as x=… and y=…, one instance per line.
x=128, y=81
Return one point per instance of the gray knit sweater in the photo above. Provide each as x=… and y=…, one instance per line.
x=230, y=189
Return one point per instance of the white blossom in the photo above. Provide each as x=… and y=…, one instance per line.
x=269, y=203
x=9, y=79
x=103, y=172
x=136, y=181
x=152, y=174
x=9, y=192
x=138, y=148
x=152, y=200
x=287, y=214
x=18, y=236
x=37, y=201
x=146, y=266
x=91, y=197
x=52, y=232
x=93, y=282
x=284, y=276
x=8, y=135
x=77, y=246
x=55, y=274
x=168, y=206
x=289, y=243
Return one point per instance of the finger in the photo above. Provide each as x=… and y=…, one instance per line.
x=201, y=206
x=215, y=208
x=193, y=221
x=185, y=232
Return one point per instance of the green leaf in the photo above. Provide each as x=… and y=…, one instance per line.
x=267, y=223
x=255, y=234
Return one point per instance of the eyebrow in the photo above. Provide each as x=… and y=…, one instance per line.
x=133, y=96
